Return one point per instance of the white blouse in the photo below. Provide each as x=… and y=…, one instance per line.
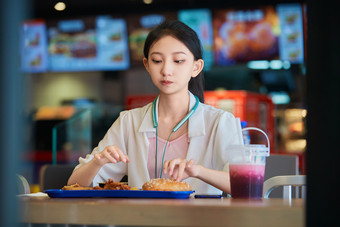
x=210, y=132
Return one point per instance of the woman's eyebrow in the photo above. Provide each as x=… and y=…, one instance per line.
x=176, y=52
x=179, y=52
x=155, y=53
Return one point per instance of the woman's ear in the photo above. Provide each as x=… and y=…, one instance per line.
x=198, y=66
x=146, y=64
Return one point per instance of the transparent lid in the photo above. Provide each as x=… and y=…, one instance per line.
x=257, y=149
x=249, y=149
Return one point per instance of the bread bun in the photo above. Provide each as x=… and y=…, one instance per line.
x=165, y=184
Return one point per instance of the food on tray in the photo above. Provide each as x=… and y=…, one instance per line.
x=165, y=184
x=76, y=187
x=159, y=184
x=116, y=185
x=109, y=185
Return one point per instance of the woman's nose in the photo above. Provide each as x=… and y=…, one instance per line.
x=167, y=68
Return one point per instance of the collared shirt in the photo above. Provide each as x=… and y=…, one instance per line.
x=210, y=132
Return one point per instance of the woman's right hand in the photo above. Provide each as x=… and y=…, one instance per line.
x=111, y=154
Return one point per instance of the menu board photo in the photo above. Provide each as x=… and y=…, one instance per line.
x=242, y=35
x=91, y=43
x=291, y=37
x=33, y=46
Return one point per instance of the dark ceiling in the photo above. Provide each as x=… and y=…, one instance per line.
x=44, y=8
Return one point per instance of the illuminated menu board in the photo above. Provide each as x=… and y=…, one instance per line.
x=261, y=33
x=88, y=44
x=291, y=37
x=242, y=35
x=33, y=46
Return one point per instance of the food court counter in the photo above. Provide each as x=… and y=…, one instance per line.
x=163, y=212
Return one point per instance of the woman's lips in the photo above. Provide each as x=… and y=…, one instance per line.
x=166, y=82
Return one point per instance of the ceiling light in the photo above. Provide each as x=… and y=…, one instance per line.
x=147, y=1
x=60, y=6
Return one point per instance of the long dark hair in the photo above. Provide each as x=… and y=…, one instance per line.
x=189, y=38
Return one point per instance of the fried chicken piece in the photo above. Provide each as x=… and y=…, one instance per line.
x=97, y=188
x=111, y=185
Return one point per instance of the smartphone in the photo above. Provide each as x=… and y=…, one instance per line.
x=207, y=196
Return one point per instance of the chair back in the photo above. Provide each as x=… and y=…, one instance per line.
x=23, y=186
x=279, y=165
x=54, y=176
x=287, y=182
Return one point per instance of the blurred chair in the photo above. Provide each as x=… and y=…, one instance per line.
x=287, y=182
x=281, y=165
x=23, y=186
x=54, y=176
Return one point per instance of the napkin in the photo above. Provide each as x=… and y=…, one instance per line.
x=37, y=194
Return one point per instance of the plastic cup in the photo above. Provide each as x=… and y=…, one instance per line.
x=246, y=168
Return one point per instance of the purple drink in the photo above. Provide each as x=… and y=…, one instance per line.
x=246, y=180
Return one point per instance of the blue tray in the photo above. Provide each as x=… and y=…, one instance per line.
x=58, y=193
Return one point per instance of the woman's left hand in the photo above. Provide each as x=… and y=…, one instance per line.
x=180, y=169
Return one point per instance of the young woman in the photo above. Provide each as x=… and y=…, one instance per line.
x=176, y=136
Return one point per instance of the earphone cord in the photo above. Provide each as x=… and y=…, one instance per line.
x=166, y=144
x=156, y=155
x=167, y=141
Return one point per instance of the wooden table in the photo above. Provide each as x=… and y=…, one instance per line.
x=163, y=212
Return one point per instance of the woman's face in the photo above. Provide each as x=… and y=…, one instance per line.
x=171, y=65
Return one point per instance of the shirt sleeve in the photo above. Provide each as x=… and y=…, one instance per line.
x=227, y=133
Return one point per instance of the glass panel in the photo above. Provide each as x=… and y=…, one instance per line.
x=72, y=139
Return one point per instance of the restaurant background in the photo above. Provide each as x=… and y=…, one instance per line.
x=64, y=55
x=116, y=79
